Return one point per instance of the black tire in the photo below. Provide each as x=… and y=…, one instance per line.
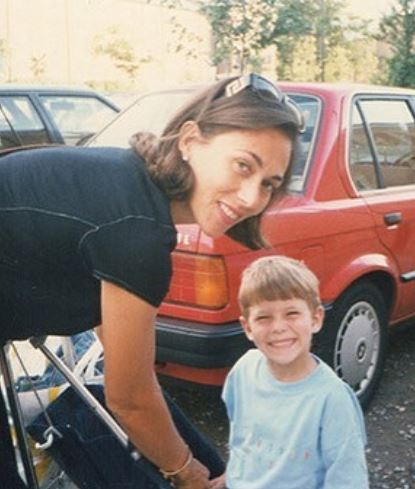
x=354, y=338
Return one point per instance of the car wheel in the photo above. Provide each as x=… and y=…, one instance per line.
x=354, y=338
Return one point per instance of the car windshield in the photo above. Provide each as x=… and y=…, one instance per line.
x=151, y=112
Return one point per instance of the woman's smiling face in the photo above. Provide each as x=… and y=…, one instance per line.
x=235, y=174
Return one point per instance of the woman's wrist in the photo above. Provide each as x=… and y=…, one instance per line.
x=169, y=474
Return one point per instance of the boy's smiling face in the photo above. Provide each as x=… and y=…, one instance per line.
x=282, y=330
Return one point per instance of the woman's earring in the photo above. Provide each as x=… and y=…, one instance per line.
x=185, y=158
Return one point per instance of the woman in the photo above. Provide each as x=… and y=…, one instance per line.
x=86, y=236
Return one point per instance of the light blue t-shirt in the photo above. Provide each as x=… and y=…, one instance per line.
x=302, y=435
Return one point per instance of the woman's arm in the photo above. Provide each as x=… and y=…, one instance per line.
x=131, y=387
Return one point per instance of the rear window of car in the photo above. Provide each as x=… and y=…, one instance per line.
x=311, y=108
x=151, y=112
x=20, y=123
x=77, y=117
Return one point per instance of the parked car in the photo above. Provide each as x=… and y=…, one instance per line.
x=350, y=216
x=34, y=115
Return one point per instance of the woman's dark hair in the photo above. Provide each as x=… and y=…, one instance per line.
x=216, y=113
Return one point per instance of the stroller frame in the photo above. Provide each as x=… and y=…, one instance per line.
x=16, y=413
x=85, y=395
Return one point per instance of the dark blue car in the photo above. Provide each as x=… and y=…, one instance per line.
x=38, y=115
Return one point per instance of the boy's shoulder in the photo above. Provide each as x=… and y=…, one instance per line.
x=334, y=388
x=248, y=365
x=248, y=359
x=340, y=404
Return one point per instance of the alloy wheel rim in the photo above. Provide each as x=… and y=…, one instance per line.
x=357, y=346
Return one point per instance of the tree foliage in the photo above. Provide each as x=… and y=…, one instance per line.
x=398, y=29
x=238, y=27
x=311, y=37
x=184, y=38
x=292, y=24
x=329, y=31
x=112, y=44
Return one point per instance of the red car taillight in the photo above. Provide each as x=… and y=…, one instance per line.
x=198, y=280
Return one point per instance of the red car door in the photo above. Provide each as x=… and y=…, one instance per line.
x=382, y=164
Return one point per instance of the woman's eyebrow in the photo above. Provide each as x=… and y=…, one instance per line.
x=260, y=163
x=254, y=156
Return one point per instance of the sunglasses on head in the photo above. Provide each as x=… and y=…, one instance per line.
x=266, y=90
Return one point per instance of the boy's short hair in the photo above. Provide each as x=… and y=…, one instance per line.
x=277, y=278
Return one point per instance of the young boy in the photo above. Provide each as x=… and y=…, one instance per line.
x=293, y=423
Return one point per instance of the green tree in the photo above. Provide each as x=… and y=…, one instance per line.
x=313, y=38
x=112, y=44
x=184, y=38
x=292, y=23
x=301, y=23
x=237, y=28
x=330, y=30
x=398, y=29
x=364, y=62
x=303, y=65
x=323, y=23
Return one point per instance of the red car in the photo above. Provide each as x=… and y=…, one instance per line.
x=350, y=216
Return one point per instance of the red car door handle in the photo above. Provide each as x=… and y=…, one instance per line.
x=392, y=218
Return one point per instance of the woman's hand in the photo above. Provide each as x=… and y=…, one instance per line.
x=195, y=476
x=218, y=482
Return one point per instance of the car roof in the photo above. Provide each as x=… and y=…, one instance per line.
x=46, y=89
x=338, y=88
x=345, y=88
x=33, y=90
